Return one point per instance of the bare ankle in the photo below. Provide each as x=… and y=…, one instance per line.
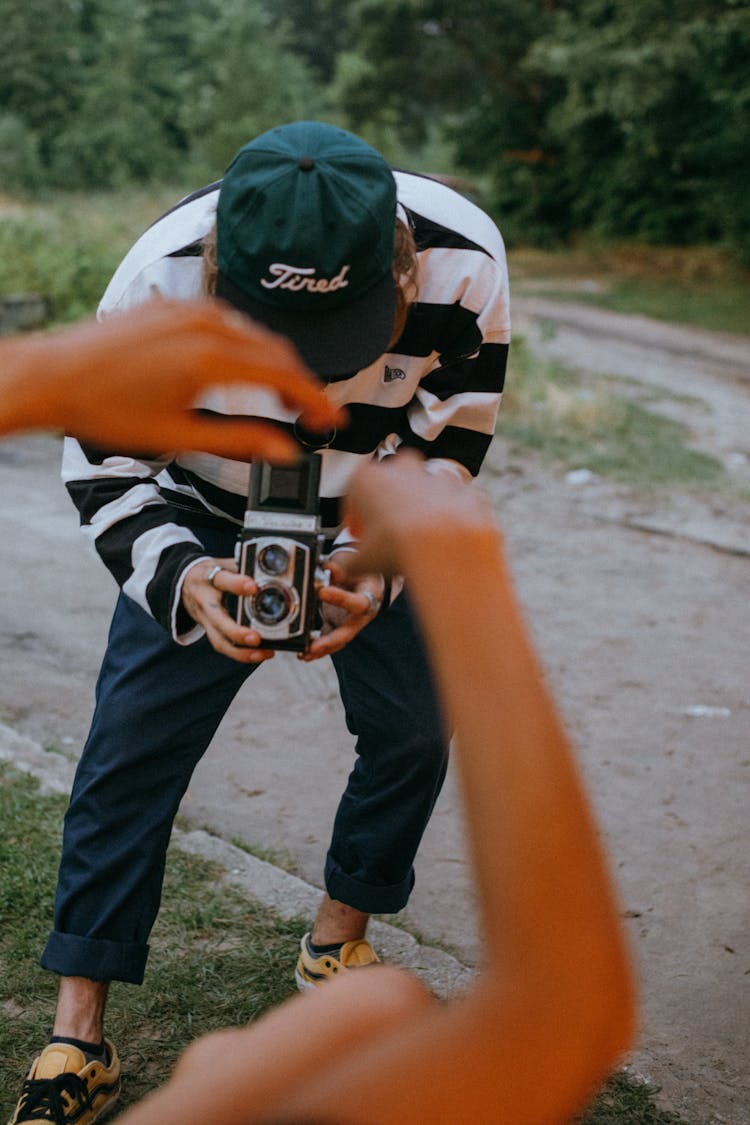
x=80, y=1009
x=337, y=922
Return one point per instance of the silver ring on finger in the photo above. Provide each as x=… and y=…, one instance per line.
x=374, y=603
x=212, y=575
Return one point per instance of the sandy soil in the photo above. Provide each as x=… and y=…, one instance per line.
x=639, y=603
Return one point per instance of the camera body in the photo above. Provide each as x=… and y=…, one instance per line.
x=280, y=547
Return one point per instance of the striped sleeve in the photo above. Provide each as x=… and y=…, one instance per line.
x=463, y=313
x=128, y=522
x=460, y=325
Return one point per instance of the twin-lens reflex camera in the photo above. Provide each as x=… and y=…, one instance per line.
x=280, y=547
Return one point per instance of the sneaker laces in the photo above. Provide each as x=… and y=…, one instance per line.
x=41, y=1098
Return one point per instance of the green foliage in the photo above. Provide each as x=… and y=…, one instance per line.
x=628, y=1101
x=245, y=80
x=69, y=250
x=34, y=259
x=629, y=120
x=651, y=133
x=20, y=166
x=110, y=91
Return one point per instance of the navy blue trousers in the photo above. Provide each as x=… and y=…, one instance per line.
x=158, y=705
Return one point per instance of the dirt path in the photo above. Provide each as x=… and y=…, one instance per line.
x=641, y=611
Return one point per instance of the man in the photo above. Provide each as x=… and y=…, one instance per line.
x=306, y=234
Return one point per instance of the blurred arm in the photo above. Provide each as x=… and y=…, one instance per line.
x=132, y=381
x=552, y=1009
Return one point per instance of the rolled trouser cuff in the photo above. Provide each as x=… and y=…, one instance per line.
x=366, y=897
x=94, y=958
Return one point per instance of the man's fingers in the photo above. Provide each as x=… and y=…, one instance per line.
x=205, y=586
x=242, y=653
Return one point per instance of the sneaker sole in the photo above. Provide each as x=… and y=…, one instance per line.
x=303, y=985
x=106, y=1109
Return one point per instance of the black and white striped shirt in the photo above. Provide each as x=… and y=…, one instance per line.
x=438, y=391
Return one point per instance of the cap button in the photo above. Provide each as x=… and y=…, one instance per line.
x=306, y=163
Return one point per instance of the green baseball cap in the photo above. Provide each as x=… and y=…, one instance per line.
x=304, y=241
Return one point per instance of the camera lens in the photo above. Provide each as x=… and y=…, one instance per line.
x=274, y=559
x=271, y=604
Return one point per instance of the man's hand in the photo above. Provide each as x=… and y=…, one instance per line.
x=201, y=598
x=346, y=606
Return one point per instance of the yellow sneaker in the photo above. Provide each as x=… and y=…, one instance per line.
x=64, y=1089
x=311, y=971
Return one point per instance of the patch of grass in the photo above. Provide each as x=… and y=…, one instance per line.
x=216, y=960
x=627, y=1099
x=701, y=286
x=579, y=423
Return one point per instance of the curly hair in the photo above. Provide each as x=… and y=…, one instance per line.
x=404, y=267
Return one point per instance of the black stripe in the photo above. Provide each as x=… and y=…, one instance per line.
x=367, y=426
x=465, y=446
x=428, y=235
x=484, y=374
x=194, y=250
x=449, y=330
x=189, y=512
x=230, y=503
x=160, y=590
x=330, y=512
x=115, y=545
x=91, y=495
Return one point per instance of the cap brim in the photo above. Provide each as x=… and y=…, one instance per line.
x=333, y=343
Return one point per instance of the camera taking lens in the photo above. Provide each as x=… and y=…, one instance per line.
x=272, y=604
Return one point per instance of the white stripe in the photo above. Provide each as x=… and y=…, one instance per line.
x=337, y=470
x=470, y=411
x=452, y=210
x=447, y=275
x=76, y=466
x=130, y=504
x=183, y=227
x=231, y=476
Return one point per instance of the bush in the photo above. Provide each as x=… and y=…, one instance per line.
x=38, y=255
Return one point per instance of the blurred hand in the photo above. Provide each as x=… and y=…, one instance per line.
x=396, y=505
x=132, y=381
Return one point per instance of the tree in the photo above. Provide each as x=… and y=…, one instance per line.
x=121, y=129
x=244, y=79
x=40, y=75
x=653, y=124
x=628, y=118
